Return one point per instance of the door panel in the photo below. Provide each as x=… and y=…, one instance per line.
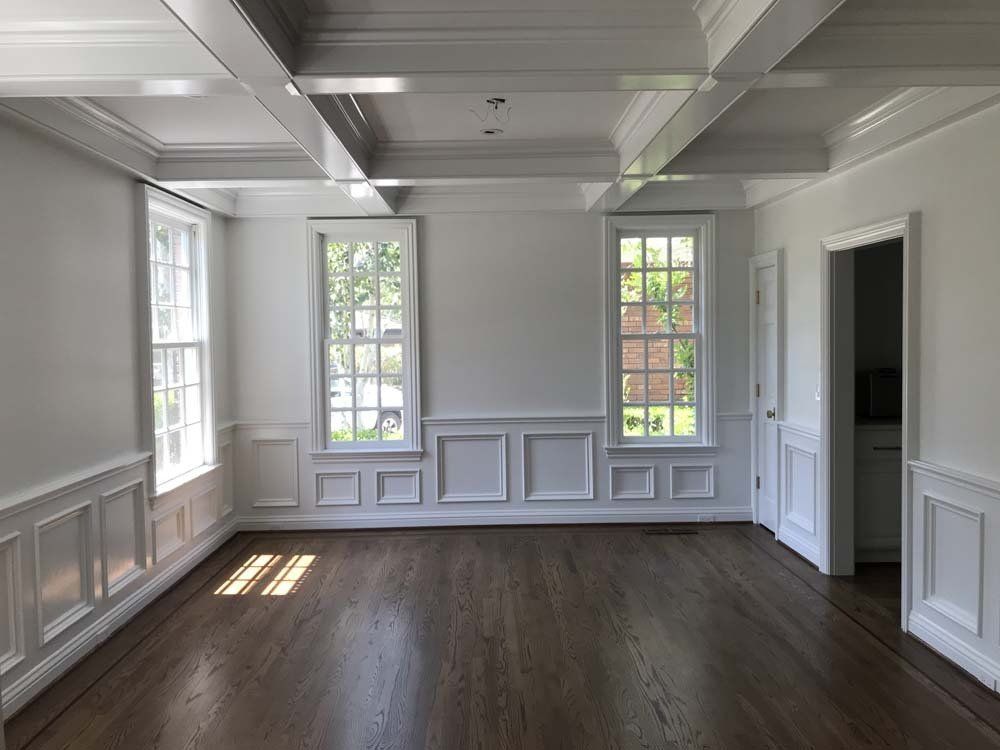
x=766, y=423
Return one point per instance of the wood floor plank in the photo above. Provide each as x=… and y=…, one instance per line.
x=510, y=639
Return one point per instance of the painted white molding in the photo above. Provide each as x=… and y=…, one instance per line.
x=976, y=663
x=527, y=419
x=799, y=430
x=37, y=495
x=279, y=499
x=135, y=493
x=619, y=476
x=702, y=227
x=173, y=525
x=10, y=595
x=497, y=489
x=493, y=517
x=936, y=550
x=81, y=514
x=204, y=506
x=389, y=483
x=690, y=482
x=532, y=471
x=403, y=231
x=973, y=483
x=836, y=524
x=798, y=488
x=339, y=481
x=21, y=690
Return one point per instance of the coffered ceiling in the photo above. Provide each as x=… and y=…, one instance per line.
x=378, y=106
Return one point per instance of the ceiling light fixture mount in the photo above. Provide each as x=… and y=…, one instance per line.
x=497, y=109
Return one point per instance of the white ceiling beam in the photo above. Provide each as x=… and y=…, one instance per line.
x=746, y=40
x=691, y=196
x=750, y=158
x=231, y=37
x=107, y=57
x=500, y=50
x=582, y=161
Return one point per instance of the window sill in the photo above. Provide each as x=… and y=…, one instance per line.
x=178, y=482
x=646, y=450
x=350, y=455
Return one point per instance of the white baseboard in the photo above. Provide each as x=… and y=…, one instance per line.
x=49, y=669
x=520, y=517
x=978, y=665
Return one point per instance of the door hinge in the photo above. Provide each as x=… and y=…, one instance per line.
x=758, y=296
x=758, y=483
x=758, y=390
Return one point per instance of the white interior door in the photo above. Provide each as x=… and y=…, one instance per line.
x=766, y=406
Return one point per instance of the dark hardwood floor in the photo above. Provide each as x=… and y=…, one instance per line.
x=571, y=638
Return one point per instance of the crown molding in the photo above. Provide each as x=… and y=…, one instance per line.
x=110, y=124
x=496, y=149
x=712, y=13
x=92, y=33
x=877, y=114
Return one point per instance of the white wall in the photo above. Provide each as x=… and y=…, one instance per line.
x=83, y=547
x=951, y=178
x=67, y=311
x=512, y=342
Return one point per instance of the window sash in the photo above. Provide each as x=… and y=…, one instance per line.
x=695, y=298
x=163, y=212
x=378, y=340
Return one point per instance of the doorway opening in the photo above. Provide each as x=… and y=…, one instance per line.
x=867, y=429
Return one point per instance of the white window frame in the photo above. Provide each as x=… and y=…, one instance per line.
x=702, y=227
x=153, y=203
x=404, y=231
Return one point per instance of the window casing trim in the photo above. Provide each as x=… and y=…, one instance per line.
x=152, y=202
x=702, y=226
x=362, y=229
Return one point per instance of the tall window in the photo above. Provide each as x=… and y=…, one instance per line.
x=368, y=337
x=179, y=325
x=658, y=271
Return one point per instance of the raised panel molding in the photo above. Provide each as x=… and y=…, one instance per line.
x=476, y=470
x=632, y=482
x=169, y=533
x=12, y=626
x=953, y=562
x=228, y=477
x=689, y=482
x=204, y=510
x=397, y=487
x=338, y=488
x=800, y=482
x=64, y=570
x=123, y=537
x=558, y=465
x=276, y=461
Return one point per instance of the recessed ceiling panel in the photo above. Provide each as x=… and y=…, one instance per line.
x=463, y=117
x=794, y=111
x=185, y=120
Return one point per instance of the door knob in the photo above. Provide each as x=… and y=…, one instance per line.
x=770, y=413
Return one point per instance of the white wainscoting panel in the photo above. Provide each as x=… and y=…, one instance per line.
x=632, y=482
x=953, y=561
x=11, y=618
x=78, y=559
x=956, y=567
x=277, y=473
x=338, y=488
x=692, y=481
x=558, y=465
x=204, y=509
x=397, y=487
x=64, y=570
x=169, y=533
x=798, y=504
x=472, y=468
x=123, y=536
x=226, y=458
